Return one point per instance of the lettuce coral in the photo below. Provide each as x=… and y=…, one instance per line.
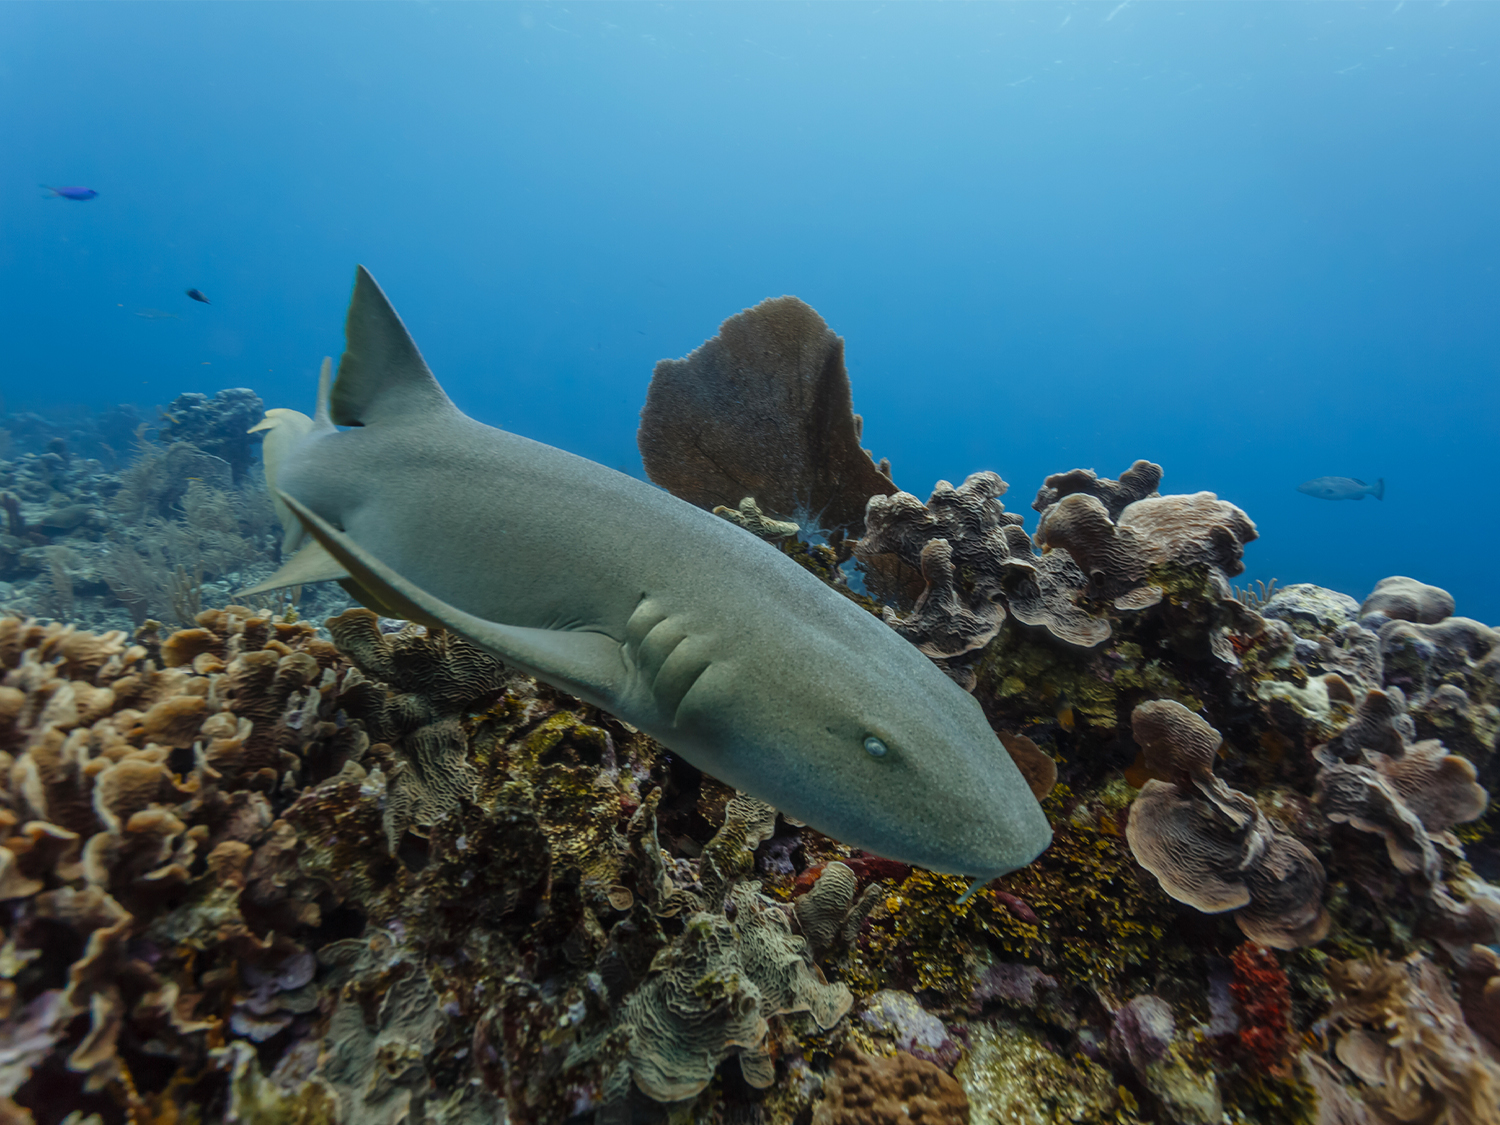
x=1211, y=846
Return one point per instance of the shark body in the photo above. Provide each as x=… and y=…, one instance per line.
x=674, y=620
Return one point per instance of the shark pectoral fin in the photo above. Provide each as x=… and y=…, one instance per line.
x=373, y=601
x=311, y=564
x=588, y=665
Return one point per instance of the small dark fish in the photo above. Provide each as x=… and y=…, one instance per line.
x=1342, y=488
x=77, y=193
x=197, y=295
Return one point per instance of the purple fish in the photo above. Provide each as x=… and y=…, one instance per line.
x=77, y=193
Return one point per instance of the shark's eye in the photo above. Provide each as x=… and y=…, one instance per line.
x=874, y=747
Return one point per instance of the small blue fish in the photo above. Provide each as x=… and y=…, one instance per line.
x=197, y=295
x=1342, y=488
x=76, y=193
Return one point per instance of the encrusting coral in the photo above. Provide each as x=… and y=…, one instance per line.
x=1406, y=599
x=894, y=1090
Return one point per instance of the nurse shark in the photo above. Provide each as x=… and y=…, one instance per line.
x=668, y=617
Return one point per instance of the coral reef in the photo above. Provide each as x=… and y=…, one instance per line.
x=384, y=878
x=258, y=869
x=109, y=523
x=963, y=566
x=219, y=426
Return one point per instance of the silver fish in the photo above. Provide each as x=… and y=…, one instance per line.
x=1342, y=488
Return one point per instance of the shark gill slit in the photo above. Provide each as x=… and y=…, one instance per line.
x=671, y=684
x=646, y=616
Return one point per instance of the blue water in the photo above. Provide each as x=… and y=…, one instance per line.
x=1255, y=243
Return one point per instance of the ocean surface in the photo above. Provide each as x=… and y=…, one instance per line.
x=1257, y=243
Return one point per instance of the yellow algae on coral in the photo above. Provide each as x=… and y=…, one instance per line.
x=1013, y=1078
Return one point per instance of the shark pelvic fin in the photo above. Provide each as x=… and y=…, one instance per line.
x=382, y=377
x=968, y=894
x=582, y=663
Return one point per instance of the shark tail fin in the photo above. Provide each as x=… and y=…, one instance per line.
x=382, y=377
x=1378, y=490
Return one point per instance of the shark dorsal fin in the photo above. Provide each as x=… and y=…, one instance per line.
x=382, y=376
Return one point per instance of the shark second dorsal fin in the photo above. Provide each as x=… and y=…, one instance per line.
x=322, y=413
x=382, y=377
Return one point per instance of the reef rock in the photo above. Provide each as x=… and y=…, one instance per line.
x=1406, y=599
